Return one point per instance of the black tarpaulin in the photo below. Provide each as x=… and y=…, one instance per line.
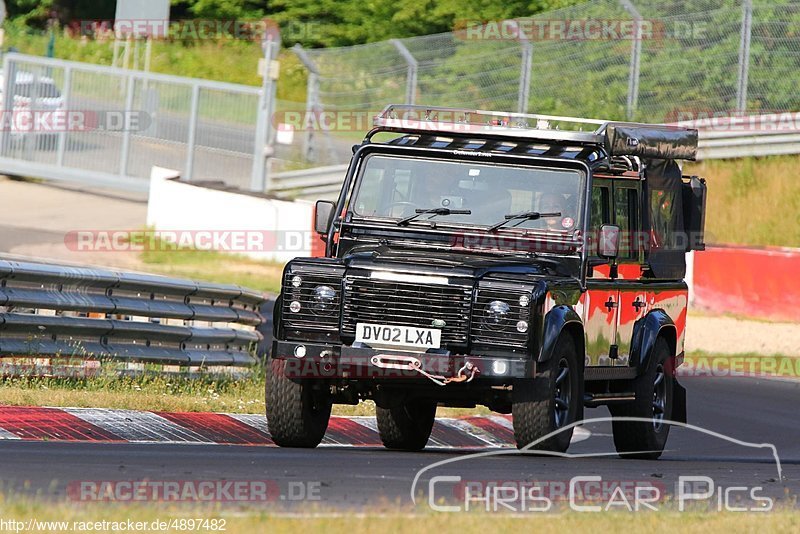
x=667, y=244
x=651, y=141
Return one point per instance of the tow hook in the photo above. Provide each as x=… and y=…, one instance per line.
x=465, y=374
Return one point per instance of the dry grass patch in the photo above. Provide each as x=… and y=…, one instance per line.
x=752, y=201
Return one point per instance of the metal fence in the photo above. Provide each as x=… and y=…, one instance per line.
x=62, y=311
x=669, y=60
x=124, y=122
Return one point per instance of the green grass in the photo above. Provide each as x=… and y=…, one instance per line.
x=213, y=393
x=212, y=266
x=220, y=393
x=396, y=519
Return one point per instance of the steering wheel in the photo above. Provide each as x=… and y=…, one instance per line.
x=398, y=203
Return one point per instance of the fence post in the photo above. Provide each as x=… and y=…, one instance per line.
x=263, y=150
x=126, y=135
x=191, y=141
x=312, y=100
x=744, y=55
x=635, y=61
x=411, y=77
x=526, y=65
x=62, y=135
x=8, y=103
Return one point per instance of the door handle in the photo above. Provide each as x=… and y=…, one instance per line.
x=610, y=304
x=638, y=304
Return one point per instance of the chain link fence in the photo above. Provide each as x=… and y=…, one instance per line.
x=644, y=60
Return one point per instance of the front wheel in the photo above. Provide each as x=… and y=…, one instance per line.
x=406, y=426
x=549, y=402
x=646, y=440
x=297, y=414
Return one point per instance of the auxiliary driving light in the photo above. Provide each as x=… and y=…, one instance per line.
x=300, y=351
x=522, y=326
x=297, y=281
x=294, y=306
x=499, y=367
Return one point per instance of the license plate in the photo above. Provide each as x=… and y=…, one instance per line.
x=398, y=336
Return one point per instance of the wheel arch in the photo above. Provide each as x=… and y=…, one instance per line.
x=647, y=331
x=563, y=320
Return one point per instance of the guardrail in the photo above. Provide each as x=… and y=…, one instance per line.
x=310, y=184
x=733, y=144
x=79, y=312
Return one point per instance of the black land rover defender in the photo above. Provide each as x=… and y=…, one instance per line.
x=529, y=263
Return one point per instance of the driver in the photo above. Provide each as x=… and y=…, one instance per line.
x=431, y=192
x=555, y=203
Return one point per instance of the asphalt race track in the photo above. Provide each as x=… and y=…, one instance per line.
x=746, y=409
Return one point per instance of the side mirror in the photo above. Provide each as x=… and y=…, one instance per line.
x=323, y=216
x=608, y=247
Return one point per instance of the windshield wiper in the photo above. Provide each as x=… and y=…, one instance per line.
x=433, y=212
x=521, y=217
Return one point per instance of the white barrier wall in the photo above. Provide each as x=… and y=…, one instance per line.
x=252, y=225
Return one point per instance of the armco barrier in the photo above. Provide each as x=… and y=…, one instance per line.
x=64, y=311
x=755, y=282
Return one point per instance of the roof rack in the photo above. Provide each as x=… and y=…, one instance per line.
x=618, y=138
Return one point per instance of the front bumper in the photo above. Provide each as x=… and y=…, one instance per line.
x=328, y=361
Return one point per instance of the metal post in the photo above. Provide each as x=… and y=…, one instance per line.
x=411, y=77
x=115, y=56
x=126, y=135
x=635, y=61
x=148, y=53
x=136, y=53
x=744, y=55
x=526, y=65
x=262, y=151
x=312, y=100
x=190, y=142
x=62, y=135
x=8, y=103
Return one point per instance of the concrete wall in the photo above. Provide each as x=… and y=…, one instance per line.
x=273, y=229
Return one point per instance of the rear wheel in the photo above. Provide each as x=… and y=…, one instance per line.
x=406, y=426
x=297, y=415
x=549, y=401
x=653, y=388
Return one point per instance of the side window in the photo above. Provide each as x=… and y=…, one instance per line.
x=600, y=215
x=663, y=216
x=626, y=216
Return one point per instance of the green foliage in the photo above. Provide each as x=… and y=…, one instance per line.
x=343, y=23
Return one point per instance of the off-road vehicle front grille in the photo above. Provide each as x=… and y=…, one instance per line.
x=375, y=301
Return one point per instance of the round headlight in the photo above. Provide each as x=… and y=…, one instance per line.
x=496, y=315
x=324, y=297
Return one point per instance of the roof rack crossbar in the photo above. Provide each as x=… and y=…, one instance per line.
x=618, y=137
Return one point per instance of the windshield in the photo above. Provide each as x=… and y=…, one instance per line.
x=396, y=187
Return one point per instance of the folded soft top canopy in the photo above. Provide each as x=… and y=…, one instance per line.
x=618, y=138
